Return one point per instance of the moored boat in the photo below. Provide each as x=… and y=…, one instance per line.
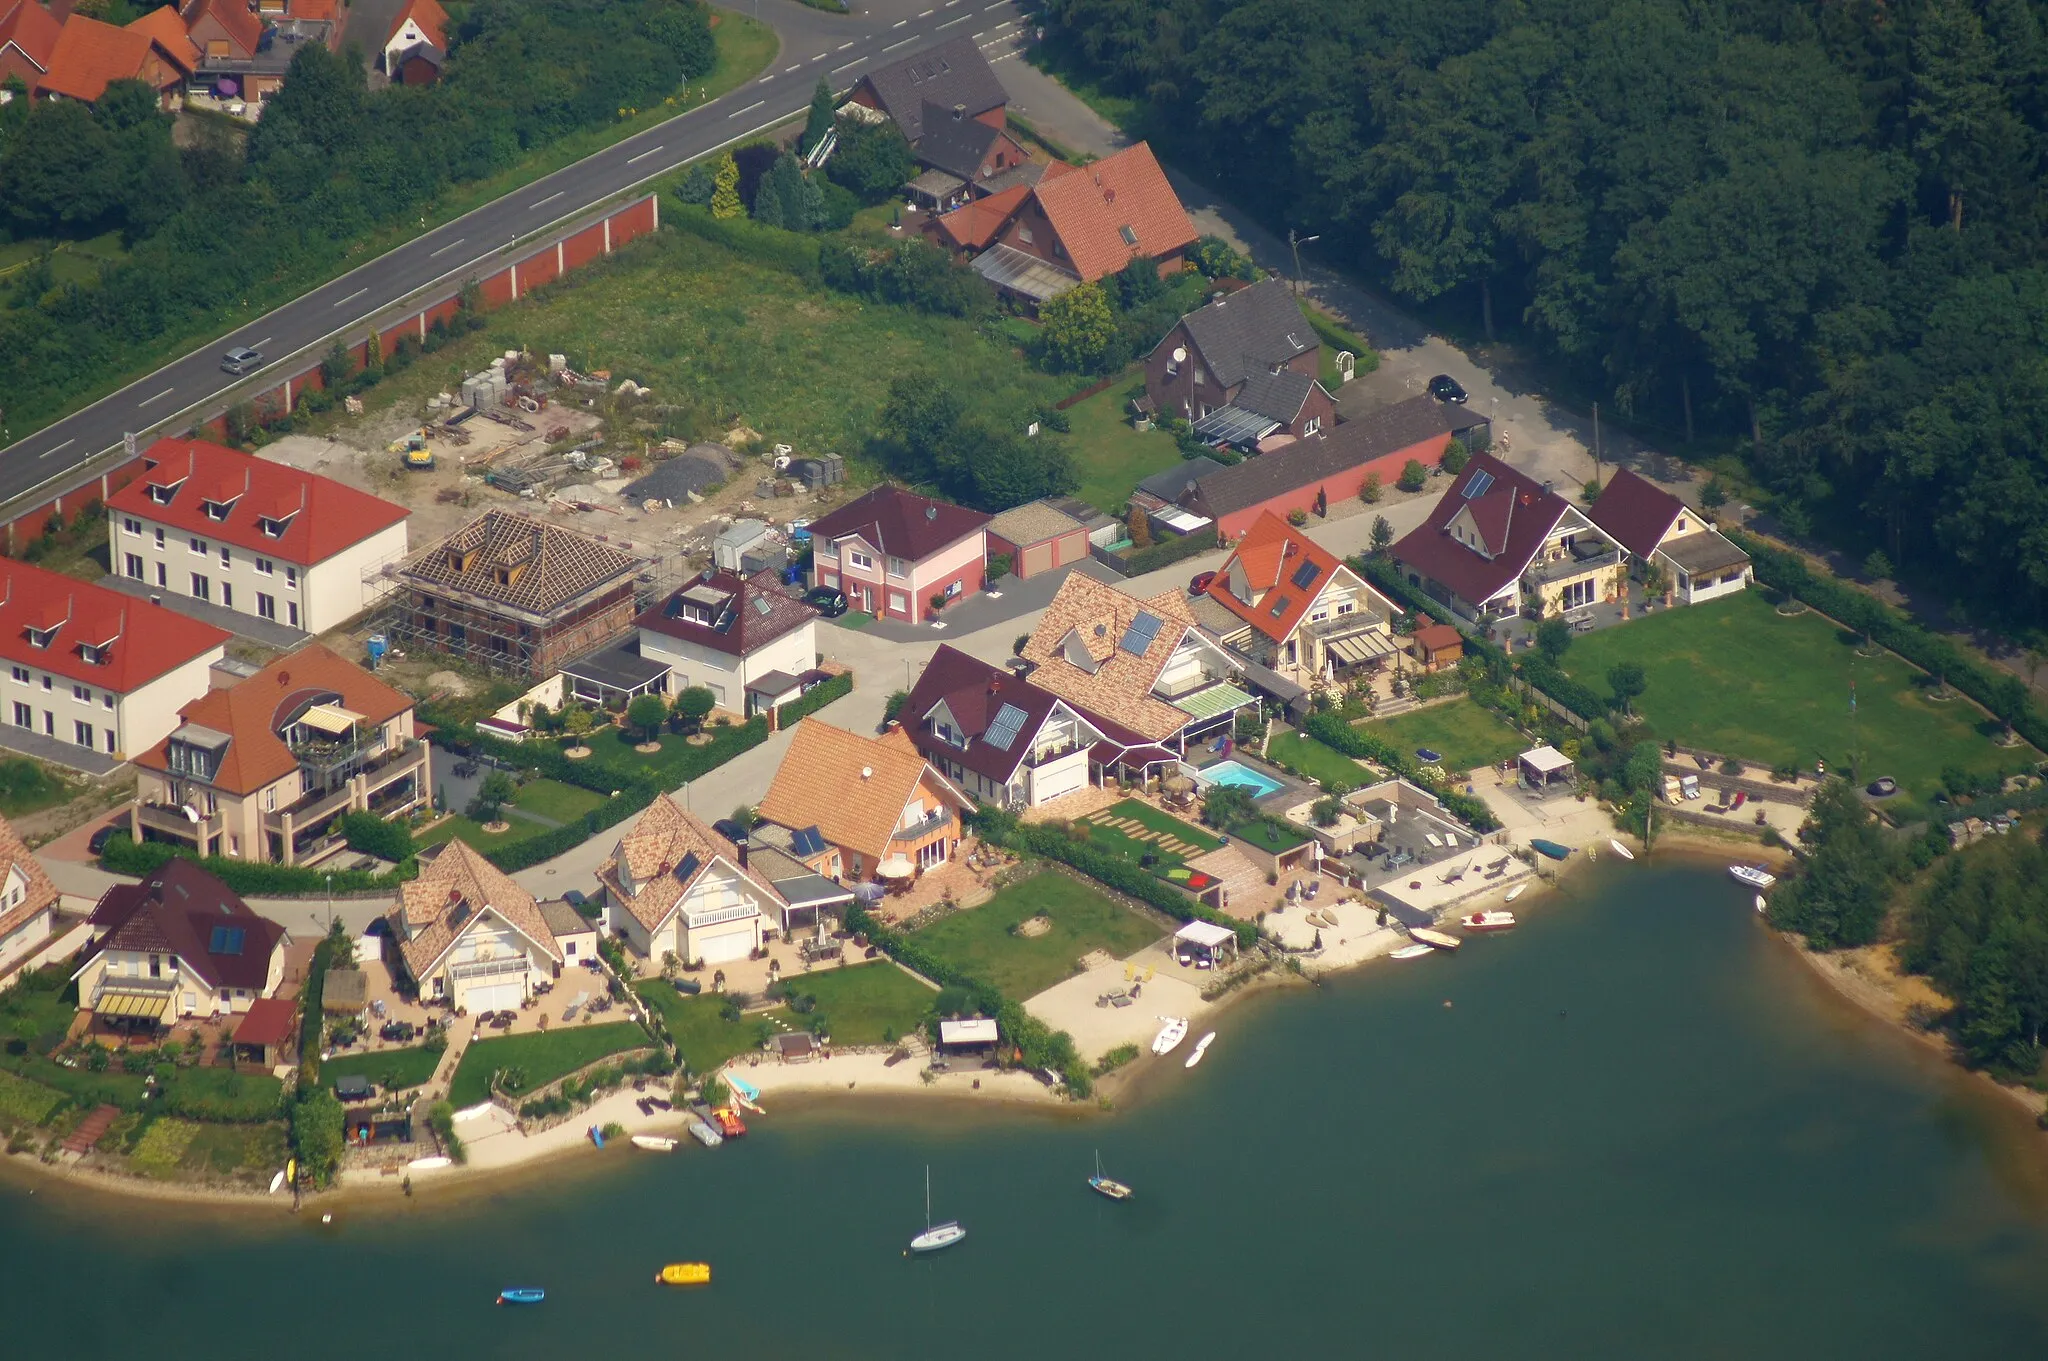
x=1619, y=849
x=1413, y=952
x=1549, y=848
x=935, y=1236
x=1201, y=1048
x=433, y=1164
x=1761, y=905
x=1171, y=1034
x=654, y=1143
x=684, y=1273
x=522, y=1294
x=1756, y=876
x=277, y=1181
x=1435, y=940
x=1488, y=921
x=1107, y=1186
x=1515, y=892
x=728, y=1121
x=704, y=1134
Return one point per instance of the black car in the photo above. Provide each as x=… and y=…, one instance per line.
x=730, y=830
x=97, y=842
x=1445, y=388
x=826, y=600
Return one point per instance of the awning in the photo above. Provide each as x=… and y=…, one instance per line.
x=1217, y=699
x=1182, y=521
x=618, y=667
x=1008, y=267
x=127, y=1004
x=978, y=1031
x=1546, y=760
x=895, y=867
x=1208, y=935
x=331, y=719
x=1108, y=753
x=774, y=684
x=1360, y=647
x=1235, y=425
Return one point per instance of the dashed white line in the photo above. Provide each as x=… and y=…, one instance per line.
x=849, y=66
x=65, y=445
x=546, y=201
x=961, y=20
x=749, y=109
x=651, y=150
x=905, y=43
x=997, y=5
x=260, y=344
x=158, y=398
x=350, y=298
x=899, y=23
x=821, y=56
x=453, y=244
x=787, y=69
x=950, y=3
x=926, y=13
x=842, y=47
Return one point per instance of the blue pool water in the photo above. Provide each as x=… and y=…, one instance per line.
x=1241, y=775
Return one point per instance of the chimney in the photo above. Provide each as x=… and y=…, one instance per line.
x=959, y=112
x=742, y=848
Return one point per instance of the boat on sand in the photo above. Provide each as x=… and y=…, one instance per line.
x=1170, y=1035
x=704, y=1134
x=1413, y=952
x=1624, y=852
x=1435, y=940
x=1516, y=891
x=654, y=1143
x=1201, y=1048
x=1488, y=921
x=1550, y=848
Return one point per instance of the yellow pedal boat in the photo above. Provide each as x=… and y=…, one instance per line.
x=684, y=1273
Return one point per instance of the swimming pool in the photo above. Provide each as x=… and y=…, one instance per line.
x=1243, y=776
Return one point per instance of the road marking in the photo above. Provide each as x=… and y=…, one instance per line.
x=950, y=3
x=926, y=13
x=749, y=109
x=65, y=445
x=350, y=298
x=159, y=397
x=905, y=43
x=899, y=23
x=787, y=69
x=961, y=20
x=849, y=66
x=821, y=56
x=997, y=5
x=546, y=201
x=842, y=47
x=261, y=343
x=453, y=244
x=651, y=150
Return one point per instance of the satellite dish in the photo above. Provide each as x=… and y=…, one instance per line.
x=1180, y=354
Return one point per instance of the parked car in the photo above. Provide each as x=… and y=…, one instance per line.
x=97, y=842
x=730, y=830
x=574, y=898
x=1445, y=388
x=1199, y=583
x=828, y=601
x=241, y=359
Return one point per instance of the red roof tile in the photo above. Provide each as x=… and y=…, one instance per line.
x=32, y=29
x=1092, y=210
x=973, y=225
x=89, y=55
x=899, y=522
x=1513, y=514
x=176, y=910
x=240, y=23
x=138, y=642
x=269, y=1021
x=1636, y=512
x=167, y=31
x=431, y=18
x=322, y=516
x=1272, y=555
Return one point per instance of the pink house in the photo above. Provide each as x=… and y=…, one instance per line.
x=893, y=552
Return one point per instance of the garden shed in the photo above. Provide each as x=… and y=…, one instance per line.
x=965, y=1038
x=345, y=992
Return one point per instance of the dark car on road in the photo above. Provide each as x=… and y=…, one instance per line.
x=240, y=360
x=1199, y=585
x=828, y=601
x=730, y=830
x=1445, y=388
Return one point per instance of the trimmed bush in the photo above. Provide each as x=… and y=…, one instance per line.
x=125, y=856
x=372, y=835
x=814, y=699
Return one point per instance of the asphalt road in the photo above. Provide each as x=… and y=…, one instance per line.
x=840, y=48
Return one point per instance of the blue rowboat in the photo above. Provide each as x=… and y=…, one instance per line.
x=1549, y=848
x=522, y=1294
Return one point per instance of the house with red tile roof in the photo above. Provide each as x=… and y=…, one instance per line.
x=261, y=769
x=223, y=30
x=469, y=936
x=28, y=38
x=673, y=886
x=1500, y=545
x=90, y=667
x=167, y=30
x=1076, y=228
x=89, y=56
x=1699, y=563
x=421, y=29
x=28, y=901
x=861, y=808
x=892, y=552
x=251, y=535
x=1007, y=742
x=179, y=943
x=1292, y=606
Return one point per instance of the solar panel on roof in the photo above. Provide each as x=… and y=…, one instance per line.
x=1481, y=480
x=1003, y=732
x=1307, y=573
x=227, y=940
x=1143, y=630
x=687, y=868
x=809, y=841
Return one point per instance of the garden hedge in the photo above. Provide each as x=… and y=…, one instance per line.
x=1139, y=561
x=814, y=699
x=1334, y=732
x=125, y=856
x=791, y=252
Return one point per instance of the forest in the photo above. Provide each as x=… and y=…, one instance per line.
x=222, y=218
x=1806, y=232
x=1979, y=931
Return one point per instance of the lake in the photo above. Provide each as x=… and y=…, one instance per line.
x=1640, y=1128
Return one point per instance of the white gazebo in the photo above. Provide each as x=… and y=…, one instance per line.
x=1544, y=766
x=1205, y=941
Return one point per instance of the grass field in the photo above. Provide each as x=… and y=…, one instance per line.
x=1465, y=734
x=1110, y=453
x=1303, y=754
x=470, y=830
x=704, y=1036
x=867, y=1003
x=553, y=799
x=542, y=1056
x=982, y=940
x=676, y=756
x=1735, y=676
x=390, y=1069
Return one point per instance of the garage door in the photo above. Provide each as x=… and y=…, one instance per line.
x=1051, y=782
x=494, y=997
x=1037, y=558
x=723, y=949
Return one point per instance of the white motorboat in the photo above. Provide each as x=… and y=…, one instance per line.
x=1516, y=891
x=1170, y=1035
x=654, y=1143
x=1761, y=905
x=935, y=1236
x=1201, y=1048
x=433, y=1164
x=1756, y=876
x=1624, y=852
x=1488, y=921
x=1413, y=952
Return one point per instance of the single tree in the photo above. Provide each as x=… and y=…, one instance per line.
x=725, y=195
x=693, y=705
x=1590, y=492
x=1327, y=810
x=1553, y=639
x=1077, y=328
x=1139, y=526
x=646, y=714
x=1224, y=806
x=1414, y=476
x=819, y=121
x=1877, y=567
x=1456, y=456
x=1627, y=681
x=893, y=706
x=491, y=797
x=1382, y=536
x=317, y=1134
x=1713, y=494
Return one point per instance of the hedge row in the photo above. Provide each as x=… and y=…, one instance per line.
x=125, y=856
x=311, y=997
x=791, y=252
x=814, y=699
x=1165, y=553
x=2004, y=694
x=1052, y=842
x=1332, y=731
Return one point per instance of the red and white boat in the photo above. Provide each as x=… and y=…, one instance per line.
x=1488, y=921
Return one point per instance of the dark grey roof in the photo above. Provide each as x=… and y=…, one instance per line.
x=1249, y=331
x=1031, y=172
x=953, y=141
x=1279, y=395
x=1352, y=444
x=1173, y=483
x=952, y=73
x=618, y=666
x=1696, y=554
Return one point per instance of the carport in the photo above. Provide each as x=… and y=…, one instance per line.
x=1545, y=766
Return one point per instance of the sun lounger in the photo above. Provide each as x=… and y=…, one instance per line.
x=1150, y=969
x=1433, y=839
x=1741, y=797
x=1129, y=969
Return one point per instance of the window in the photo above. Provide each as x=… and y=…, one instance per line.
x=21, y=674
x=159, y=536
x=81, y=694
x=898, y=567
x=860, y=560
x=198, y=546
x=24, y=717
x=107, y=699
x=1024, y=234
x=1198, y=383
x=40, y=637
x=202, y=589
x=156, y=966
x=226, y=558
x=1579, y=594
x=163, y=575
x=266, y=606
x=291, y=576
x=291, y=614
x=264, y=567
x=132, y=565
x=899, y=602
x=110, y=741
x=1315, y=423
x=84, y=733
x=214, y=510
x=227, y=595
x=49, y=724
x=46, y=682
x=270, y=799
x=131, y=525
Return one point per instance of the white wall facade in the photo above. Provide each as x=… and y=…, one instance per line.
x=485, y=940
x=722, y=917
x=193, y=995
x=120, y=724
x=725, y=675
x=314, y=597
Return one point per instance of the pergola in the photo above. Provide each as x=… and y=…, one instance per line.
x=1206, y=940
x=1544, y=766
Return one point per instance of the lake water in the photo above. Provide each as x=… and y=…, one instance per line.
x=1641, y=1129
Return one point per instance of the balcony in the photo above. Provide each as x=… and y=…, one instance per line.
x=919, y=831
x=324, y=757
x=1345, y=625
x=1580, y=560
x=487, y=968
x=1051, y=754
x=170, y=820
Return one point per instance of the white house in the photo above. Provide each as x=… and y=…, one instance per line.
x=28, y=901
x=1002, y=739
x=179, y=943
x=471, y=937
x=93, y=668
x=1698, y=561
x=254, y=536
x=419, y=23
x=745, y=639
x=674, y=886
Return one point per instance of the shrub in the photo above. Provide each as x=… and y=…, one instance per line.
x=1371, y=490
x=1414, y=476
x=372, y=835
x=814, y=699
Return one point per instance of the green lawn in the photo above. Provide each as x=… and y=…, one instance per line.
x=1735, y=676
x=1465, y=733
x=1304, y=755
x=1123, y=843
x=390, y=1069
x=470, y=830
x=981, y=940
x=542, y=1056
x=677, y=760
x=705, y=1037
x=867, y=1003
x=1110, y=453
x=553, y=799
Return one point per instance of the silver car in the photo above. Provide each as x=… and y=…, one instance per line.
x=241, y=359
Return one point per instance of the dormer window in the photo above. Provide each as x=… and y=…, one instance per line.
x=215, y=510
x=272, y=527
x=41, y=637
x=162, y=494
x=95, y=654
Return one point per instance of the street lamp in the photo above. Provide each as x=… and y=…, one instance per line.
x=1295, y=243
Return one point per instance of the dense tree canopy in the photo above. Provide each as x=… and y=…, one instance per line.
x=1812, y=229
x=1979, y=931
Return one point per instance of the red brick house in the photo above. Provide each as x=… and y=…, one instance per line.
x=28, y=37
x=89, y=56
x=893, y=551
x=1204, y=361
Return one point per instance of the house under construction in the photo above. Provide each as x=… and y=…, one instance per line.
x=514, y=595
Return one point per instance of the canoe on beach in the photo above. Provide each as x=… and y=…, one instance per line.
x=1549, y=848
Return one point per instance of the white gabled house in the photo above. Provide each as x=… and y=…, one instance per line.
x=674, y=886
x=471, y=937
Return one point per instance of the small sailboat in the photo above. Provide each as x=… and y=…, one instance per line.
x=1416, y=951
x=1201, y=1048
x=1107, y=1186
x=654, y=1143
x=1756, y=876
x=745, y=1094
x=935, y=1236
x=522, y=1294
x=684, y=1273
x=1516, y=891
x=1171, y=1034
x=1488, y=921
x=277, y=1181
x=1624, y=852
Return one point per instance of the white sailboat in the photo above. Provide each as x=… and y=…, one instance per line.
x=1108, y=1186
x=935, y=1236
x=1621, y=850
x=1171, y=1034
x=1761, y=905
x=1201, y=1048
